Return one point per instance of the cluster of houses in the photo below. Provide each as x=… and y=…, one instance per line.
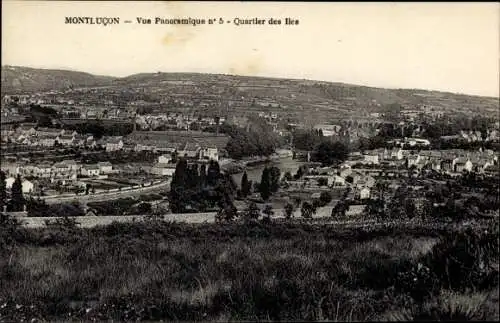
x=65, y=170
x=175, y=120
x=448, y=161
x=190, y=150
x=473, y=136
x=30, y=135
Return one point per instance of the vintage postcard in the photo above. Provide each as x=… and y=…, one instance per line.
x=249, y=161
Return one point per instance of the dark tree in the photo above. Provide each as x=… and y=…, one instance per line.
x=252, y=212
x=265, y=184
x=274, y=176
x=325, y=198
x=340, y=209
x=376, y=208
x=329, y=153
x=245, y=185
x=323, y=181
x=288, y=176
x=268, y=211
x=289, y=210
x=307, y=210
x=144, y=208
x=213, y=173
x=203, y=175
x=17, y=194
x=178, y=187
x=3, y=191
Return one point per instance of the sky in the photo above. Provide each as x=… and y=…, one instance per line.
x=438, y=46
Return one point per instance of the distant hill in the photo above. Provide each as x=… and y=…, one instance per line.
x=17, y=80
x=315, y=99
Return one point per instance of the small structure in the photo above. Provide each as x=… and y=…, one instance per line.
x=90, y=170
x=105, y=167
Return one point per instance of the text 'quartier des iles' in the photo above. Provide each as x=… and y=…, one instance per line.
x=218, y=21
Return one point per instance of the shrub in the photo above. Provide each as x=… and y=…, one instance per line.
x=462, y=261
x=322, y=181
x=307, y=210
x=288, y=210
x=325, y=198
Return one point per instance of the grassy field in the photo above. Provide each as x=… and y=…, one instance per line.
x=277, y=271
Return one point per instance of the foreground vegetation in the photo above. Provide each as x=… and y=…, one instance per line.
x=252, y=271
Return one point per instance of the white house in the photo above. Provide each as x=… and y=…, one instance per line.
x=9, y=181
x=397, y=154
x=210, y=153
x=364, y=193
x=114, y=144
x=164, y=159
x=47, y=141
x=71, y=164
x=337, y=181
x=27, y=187
x=66, y=140
x=371, y=158
x=105, y=167
x=90, y=170
x=43, y=170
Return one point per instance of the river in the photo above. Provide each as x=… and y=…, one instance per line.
x=254, y=173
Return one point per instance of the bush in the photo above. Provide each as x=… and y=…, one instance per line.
x=462, y=261
x=322, y=181
x=288, y=210
x=325, y=198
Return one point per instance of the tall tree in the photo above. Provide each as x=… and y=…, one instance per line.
x=265, y=184
x=3, y=190
x=203, y=175
x=213, y=173
x=274, y=177
x=17, y=194
x=245, y=185
x=178, y=186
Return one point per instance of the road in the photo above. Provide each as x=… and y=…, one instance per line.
x=99, y=197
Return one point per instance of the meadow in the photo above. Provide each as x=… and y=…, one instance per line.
x=248, y=271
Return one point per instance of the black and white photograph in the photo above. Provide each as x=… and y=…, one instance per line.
x=249, y=161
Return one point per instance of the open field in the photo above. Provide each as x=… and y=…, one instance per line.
x=283, y=271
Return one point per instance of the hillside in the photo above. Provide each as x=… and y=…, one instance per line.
x=305, y=96
x=17, y=80
x=314, y=99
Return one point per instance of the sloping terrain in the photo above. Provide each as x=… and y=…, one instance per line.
x=17, y=80
x=245, y=93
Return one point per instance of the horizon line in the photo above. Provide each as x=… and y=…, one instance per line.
x=253, y=76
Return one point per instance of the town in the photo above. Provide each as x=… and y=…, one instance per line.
x=180, y=166
x=89, y=145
